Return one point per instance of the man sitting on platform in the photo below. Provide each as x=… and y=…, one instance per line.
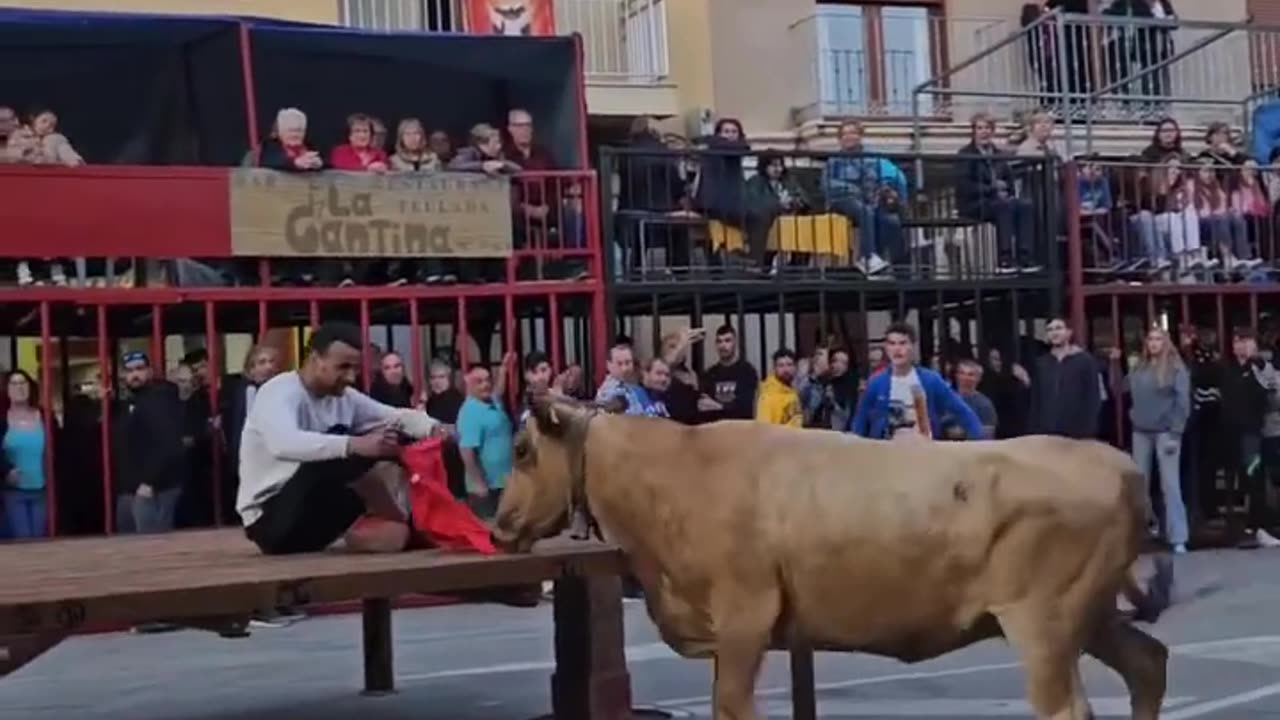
x=316, y=455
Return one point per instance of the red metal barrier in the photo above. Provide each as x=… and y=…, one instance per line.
x=107, y=316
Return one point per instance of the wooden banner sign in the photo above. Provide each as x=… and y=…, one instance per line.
x=511, y=17
x=339, y=214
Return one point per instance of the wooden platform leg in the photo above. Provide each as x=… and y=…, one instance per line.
x=591, y=679
x=804, y=703
x=379, y=676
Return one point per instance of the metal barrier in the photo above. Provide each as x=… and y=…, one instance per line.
x=691, y=216
x=1182, y=221
x=69, y=337
x=1098, y=68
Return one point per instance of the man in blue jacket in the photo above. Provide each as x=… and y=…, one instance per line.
x=887, y=409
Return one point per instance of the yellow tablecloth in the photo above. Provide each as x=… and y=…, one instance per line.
x=828, y=234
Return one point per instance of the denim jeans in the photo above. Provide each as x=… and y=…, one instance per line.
x=1153, y=244
x=1167, y=448
x=1228, y=231
x=26, y=512
x=137, y=514
x=879, y=231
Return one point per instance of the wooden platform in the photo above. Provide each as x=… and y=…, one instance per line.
x=52, y=589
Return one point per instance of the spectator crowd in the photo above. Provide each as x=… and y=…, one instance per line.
x=547, y=211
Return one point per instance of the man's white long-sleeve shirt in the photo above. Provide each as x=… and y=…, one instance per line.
x=287, y=426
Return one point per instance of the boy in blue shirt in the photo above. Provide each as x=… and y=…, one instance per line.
x=887, y=410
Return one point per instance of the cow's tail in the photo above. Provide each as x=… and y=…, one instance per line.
x=1149, y=604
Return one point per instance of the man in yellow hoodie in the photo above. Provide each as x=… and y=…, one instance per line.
x=779, y=403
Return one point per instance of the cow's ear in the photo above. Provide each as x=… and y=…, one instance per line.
x=550, y=421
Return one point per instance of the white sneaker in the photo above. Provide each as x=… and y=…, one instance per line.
x=1179, y=549
x=58, y=275
x=1266, y=539
x=25, y=277
x=873, y=265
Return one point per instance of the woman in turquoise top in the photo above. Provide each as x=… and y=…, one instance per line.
x=23, y=440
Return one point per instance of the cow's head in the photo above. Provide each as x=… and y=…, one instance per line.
x=547, y=479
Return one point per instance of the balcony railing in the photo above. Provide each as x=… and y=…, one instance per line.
x=692, y=216
x=866, y=61
x=624, y=41
x=1099, y=68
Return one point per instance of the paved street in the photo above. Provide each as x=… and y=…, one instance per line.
x=492, y=663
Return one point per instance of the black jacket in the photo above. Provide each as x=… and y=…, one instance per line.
x=1065, y=396
x=1244, y=399
x=147, y=439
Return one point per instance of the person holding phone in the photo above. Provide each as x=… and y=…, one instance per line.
x=316, y=455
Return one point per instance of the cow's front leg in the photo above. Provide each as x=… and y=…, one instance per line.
x=1051, y=658
x=744, y=619
x=737, y=662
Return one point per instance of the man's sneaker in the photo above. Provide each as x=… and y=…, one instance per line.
x=1266, y=539
x=289, y=614
x=1179, y=549
x=25, y=278
x=58, y=275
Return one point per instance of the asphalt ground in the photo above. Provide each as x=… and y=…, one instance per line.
x=480, y=662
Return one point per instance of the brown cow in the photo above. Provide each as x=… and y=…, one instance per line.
x=748, y=536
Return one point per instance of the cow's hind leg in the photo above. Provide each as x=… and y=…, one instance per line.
x=1139, y=659
x=1050, y=655
x=745, y=628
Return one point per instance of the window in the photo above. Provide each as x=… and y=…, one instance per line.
x=872, y=56
x=401, y=15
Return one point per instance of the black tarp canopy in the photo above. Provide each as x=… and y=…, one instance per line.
x=164, y=89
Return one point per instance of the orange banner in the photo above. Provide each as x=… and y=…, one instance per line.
x=511, y=17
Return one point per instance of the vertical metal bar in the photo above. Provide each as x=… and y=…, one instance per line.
x=655, y=322
x=554, y=322
x=108, y=391
x=1017, y=326
x=1152, y=316
x=415, y=351
x=693, y=360
x=600, y=339
x=782, y=322
x=264, y=322
x=379, y=674
x=1075, y=249
x=864, y=340
x=313, y=313
x=461, y=342
x=1117, y=339
x=978, y=326
x=250, y=86
x=46, y=413
x=1224, y=342
x=157, y=337
x=366, y=360
x=762, y=327
x=510, y=341
x=1253, y=310
x=217, y=366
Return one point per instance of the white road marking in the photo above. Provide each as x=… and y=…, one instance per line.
x=1212, y=706
x=856, y=682
x=635, y=654
x=908, y=708
x=1264, y=649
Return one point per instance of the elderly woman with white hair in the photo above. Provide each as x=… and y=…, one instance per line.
x=287, y=148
